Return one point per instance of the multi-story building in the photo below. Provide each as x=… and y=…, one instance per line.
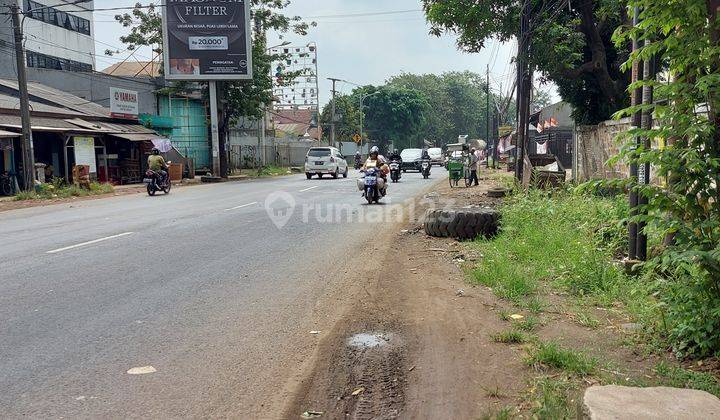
x=58, y=35
x=302, y=92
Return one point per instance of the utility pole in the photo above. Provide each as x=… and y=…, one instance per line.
x=487, y=116
x=644, y=169
x=523, y=80
x=332, y=122
x=637, y=93
x=28, y=154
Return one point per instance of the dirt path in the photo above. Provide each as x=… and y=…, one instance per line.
x=426, y=352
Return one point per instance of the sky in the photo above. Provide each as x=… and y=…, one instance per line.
x=366, y=49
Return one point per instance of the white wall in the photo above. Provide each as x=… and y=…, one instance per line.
x=59, y=42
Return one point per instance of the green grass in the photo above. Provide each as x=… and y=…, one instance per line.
x=555, y=399
x=59, y=190
x=511, y=337
x=529, y=324
x=586, y=320
x=683, y=378
x=272, y=171
x=553, y=356
x=505, y=413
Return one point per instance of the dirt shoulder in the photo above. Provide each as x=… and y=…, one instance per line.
x=427, y=352
x=437, y=346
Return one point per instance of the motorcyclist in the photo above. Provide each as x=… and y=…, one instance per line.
x=157, y=163
x=358, y=159
x=376, y=160
x=425, y=154
x=395, y=155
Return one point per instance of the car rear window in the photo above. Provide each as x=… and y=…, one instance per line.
x=319, y=152
x=409, y=154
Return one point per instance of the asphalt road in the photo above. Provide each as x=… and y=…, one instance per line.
x=201, y=284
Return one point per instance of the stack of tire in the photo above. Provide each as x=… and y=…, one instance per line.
x=462, y=224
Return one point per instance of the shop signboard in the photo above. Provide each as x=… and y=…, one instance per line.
x=84, y=148
x=123, y=103
x=208, y=40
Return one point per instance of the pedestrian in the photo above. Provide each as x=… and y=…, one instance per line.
x=474, y=167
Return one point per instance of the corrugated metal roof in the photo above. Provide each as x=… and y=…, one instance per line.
x=62, y=99
x=11, y=102
x=6, y=134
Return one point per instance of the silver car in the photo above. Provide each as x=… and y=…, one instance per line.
x=325, y=161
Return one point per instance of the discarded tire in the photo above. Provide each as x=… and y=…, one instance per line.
x=462, y=224
x=497, y=192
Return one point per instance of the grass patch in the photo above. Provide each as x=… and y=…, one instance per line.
x=683, y=378
x=552, y=356
x=511, y=337
x=505, y=413
x=586, y=320
x=60, y=190
x=529, y=324
x=555, y=399
x=272, y=171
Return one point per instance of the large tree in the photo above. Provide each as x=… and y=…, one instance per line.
x=571, y=44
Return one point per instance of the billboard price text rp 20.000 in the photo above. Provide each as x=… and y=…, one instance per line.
x=207, y=39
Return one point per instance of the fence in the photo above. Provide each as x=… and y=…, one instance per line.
x=253, y=157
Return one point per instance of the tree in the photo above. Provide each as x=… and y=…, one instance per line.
x=457, y=103
x=394, y=115
x=684, y=37
x=571, y=45
x=347, y=112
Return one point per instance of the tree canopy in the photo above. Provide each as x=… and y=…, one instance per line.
x=571, y=44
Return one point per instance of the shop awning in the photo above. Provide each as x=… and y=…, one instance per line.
x=7, y=134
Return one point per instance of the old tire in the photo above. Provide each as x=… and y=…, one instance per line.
x=497, y=192
x=461, y=224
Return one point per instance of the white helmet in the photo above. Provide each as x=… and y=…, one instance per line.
x=375, y=149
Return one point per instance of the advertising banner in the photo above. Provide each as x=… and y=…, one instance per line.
x=123, y=103
x=207, y=40
x=85, y=152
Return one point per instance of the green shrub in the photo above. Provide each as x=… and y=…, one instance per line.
x=551, y=355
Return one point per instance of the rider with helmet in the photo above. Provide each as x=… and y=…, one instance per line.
x=395, y=155
x=157, y=163
x=376, y=160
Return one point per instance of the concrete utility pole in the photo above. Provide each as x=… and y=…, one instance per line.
x=523, y=81
x=332, y=117
x=27, y=144
x=646, y=123
x=487, y=116
x=637, y=93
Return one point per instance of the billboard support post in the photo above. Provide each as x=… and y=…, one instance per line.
x=214, y=128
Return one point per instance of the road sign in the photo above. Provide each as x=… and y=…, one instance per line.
x=505, y=130
x=357, y=138
x=207, y=40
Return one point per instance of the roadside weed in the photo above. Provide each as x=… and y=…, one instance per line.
x=510, y=337
x=682, y=378
x=529, y=324
x=586, y=320
x=555, y=399
x=551, y=355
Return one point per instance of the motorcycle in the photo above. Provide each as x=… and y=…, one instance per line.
x=425, y=168
x=358, y=162
x=155, y=182
x=395, y=171
x=372, y=185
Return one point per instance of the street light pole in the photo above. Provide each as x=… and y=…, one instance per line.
x=362, y=115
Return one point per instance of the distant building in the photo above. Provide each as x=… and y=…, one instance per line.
x=58, y=36
x=302, y=93
x=149, y=69
x=296, y=124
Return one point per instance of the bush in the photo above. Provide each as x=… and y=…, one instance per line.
x=58, y=189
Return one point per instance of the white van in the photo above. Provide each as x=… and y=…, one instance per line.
x=325, y=160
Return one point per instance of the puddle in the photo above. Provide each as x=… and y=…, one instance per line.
x=368, y=340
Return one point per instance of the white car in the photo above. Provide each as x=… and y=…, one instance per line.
x=325, y=160
x=436, y=156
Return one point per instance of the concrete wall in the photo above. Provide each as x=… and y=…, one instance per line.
x=595, y=145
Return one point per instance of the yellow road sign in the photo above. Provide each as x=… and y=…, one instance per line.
x=357, y=138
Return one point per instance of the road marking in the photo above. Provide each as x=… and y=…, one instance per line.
x=67, y=248
x=243, y=206
x=308, y=189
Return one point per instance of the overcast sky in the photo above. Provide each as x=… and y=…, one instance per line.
x=361, y=49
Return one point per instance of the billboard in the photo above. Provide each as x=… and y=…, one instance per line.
x=207, y=40
x=123, y=103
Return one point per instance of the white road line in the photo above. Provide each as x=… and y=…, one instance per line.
x=67, y=248
x=240, y=207
x=308, y=189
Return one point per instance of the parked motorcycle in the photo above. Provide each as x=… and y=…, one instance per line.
x=372, y=185
x=395, y=171
x=8, y=183
x=425, y=168
x=155, y=182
